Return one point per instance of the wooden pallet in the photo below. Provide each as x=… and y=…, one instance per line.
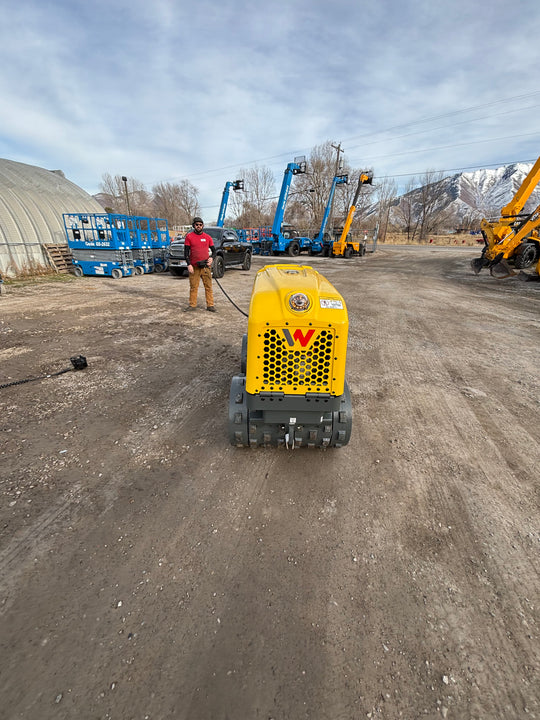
x=59, y=257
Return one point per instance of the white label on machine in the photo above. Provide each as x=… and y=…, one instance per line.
x=99, y=270
x=331, y=304
x=292, y=421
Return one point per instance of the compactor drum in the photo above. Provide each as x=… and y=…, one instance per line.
x=291, y=389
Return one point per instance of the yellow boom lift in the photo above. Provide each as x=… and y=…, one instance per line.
x=513, y=238
x=344, y=247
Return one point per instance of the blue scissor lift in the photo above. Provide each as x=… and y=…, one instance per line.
x=260, y=238
x=160, y=241
x=100, y=244
x=141, y=244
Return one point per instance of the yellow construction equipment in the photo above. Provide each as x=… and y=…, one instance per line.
x=345, y=247
x=512, y=239
x=533, y=276
x=291, y=390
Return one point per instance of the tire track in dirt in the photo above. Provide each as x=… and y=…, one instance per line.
x=442, y=518
x=194, y=579
x=457, y=488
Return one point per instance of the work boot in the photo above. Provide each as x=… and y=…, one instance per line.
x=189, y=308
x=211, y=308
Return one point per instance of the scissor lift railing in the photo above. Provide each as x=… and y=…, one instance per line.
x=100, y=244
x=98, y=231
x=160, y=241
x=259, y=237
x=141, y=244
x=115, y=244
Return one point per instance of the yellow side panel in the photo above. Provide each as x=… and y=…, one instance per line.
x=296, y=352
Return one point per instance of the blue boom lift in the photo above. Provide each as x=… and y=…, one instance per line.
x=321, y=244
x=235, y=185
x=282, y=242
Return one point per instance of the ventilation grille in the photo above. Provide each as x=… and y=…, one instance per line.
x=285, y=367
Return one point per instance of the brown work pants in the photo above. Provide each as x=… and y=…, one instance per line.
x=204, y=274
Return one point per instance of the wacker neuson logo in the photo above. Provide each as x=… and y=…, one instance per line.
x=298, y=337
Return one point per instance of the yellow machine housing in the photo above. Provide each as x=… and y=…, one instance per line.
x=291, y=389
x=296, y=351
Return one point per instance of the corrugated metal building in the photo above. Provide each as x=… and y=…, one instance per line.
x=32, y=201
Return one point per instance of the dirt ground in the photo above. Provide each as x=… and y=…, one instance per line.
x=150, y=570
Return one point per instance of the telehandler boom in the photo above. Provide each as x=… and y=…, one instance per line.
x=235, y=185
x=282, y=242
x=320, y=244
x=513, y=238
x=344, y=247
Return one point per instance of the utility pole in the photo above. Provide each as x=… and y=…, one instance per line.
x=339, y=150
x=124, y=179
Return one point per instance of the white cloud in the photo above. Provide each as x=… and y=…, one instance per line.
x=176, y=89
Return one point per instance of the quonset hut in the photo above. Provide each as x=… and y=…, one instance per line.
x=32, y=201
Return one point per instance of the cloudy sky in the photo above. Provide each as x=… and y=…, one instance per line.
x=166, y=90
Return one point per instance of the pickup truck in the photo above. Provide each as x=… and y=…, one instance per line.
x=229, y=251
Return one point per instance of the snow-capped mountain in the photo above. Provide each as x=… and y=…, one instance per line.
x=487, y=191
x=483, y=193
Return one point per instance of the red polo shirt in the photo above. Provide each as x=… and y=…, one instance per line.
x=200, y=245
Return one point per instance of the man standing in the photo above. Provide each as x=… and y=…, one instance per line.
x=198, y=246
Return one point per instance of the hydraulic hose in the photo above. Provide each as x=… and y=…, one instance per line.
x=78, y=362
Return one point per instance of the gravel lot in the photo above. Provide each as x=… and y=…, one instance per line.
x=150, y=570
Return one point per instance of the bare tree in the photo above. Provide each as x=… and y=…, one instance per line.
x=111, y=197
x=424, y=208
x=312, y=190
x=127, y=197
x=364, y=202
x=470, y=220
x=432, y=203
x=253, y=206
x=325, y=162
x=177, y=202
x=309, y=193
x=406, y=211
x=385, y=194
x=299, y=214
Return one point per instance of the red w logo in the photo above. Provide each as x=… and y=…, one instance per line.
x=299, y=336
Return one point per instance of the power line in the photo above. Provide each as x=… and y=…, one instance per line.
x=458, y=169
x=462, y=169
x=401, y=153
x=416, y=151
x=443, y=127
x=449, y=114
x=367, y=135
x=413, y=174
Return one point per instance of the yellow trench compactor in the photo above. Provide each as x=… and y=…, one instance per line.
x=291, y=390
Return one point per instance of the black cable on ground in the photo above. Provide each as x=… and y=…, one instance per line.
x=78, y=362
x=229, y=299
